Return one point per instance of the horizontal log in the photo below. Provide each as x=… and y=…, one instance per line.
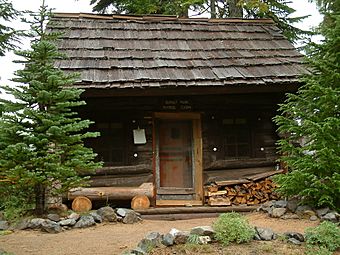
x=239, y=163
x=231, y=182
x=198, y=209
x=113, y=193
x=120, y=181
x=118, y=170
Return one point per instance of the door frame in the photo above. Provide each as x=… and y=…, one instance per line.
x=195, y=117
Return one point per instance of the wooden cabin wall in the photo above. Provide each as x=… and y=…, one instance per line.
x=137, y=112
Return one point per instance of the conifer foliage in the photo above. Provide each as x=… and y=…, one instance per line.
x=41, y=138
x=310, y=120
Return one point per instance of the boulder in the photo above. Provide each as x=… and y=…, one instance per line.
x=295, y=235
x=203, y=231
x=85, y=222
x=265, y=234
x=301, y=208
x=155, y=238
x=122, y=212
x=131, y=217
x=293, y=241
x=74, y=216
x=280, y=204
x=308, y=213
x=97, y=218
x=181, y=237
x=331, y=216
x=107, y=214
x=321, y=212
x=4, y=225
x=168, y=239
x=67, y=222
x=53, y=217
x=278, y=212
x=36, y=223
x=51, y=227
x=313, y=218
x=22, y=224
x=292, y=204
x=138, y=251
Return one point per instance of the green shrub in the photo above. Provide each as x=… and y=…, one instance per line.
x=233, y=227
x=326, y=236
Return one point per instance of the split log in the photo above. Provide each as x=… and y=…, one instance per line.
x=120, y=181
x=113, y=193
x=247, y=163
x=117, y=170
x=219, y=201
x=140, y=202
x=231, y=182
x=81, y=204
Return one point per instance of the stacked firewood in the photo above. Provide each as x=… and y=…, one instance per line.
x=252, y=190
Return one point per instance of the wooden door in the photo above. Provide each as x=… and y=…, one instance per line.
x=175, y=154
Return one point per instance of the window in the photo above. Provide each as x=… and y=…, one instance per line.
x=236, y=138
x=110, y=144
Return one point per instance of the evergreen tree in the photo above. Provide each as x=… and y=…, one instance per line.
x=311, y=121
x=41, y=138
x=8, y=35
x=278, y=10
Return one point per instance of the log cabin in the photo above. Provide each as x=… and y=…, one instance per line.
x=179, y=103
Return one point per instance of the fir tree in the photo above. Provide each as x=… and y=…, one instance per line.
x=311, y=121
x=41, y=139
x=8, y=35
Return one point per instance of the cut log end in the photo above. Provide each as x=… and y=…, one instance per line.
x=140, y=202
x=81, y=204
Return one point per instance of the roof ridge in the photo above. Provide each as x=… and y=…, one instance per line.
x=157, y=18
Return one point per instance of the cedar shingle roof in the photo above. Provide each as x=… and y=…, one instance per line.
x=132, y=51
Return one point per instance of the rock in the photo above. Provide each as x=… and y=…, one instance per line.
x=51, y=227
x=204, y=240
x=181, y=237
x=74, y=216
x=131, y=217
x=290, y=216
x=293, y=241
x=53, y=217
x=203, y=231
x=22, y=224
x=174, y=231
x=280, y=204
x=331, y=216
x=295, y=235
x=265, y=234
x=301, y=208
x=107, y=214
x=155, y=238
x=122, y=211
x=323, y=211
x=146, y=245
x=292, y=204
x=168, y=239
x=278, y=212
x=266, y=207
x=313, y=218
x=36, y=223
x=85, y=222
x=308, y=213
x=67, y=222
x=97, y=218
x=138, y=251
x=4, y=225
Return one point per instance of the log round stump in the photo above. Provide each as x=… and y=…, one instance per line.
x=81, y=204
x=140, y=202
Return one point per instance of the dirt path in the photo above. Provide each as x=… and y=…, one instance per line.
x=113, y=239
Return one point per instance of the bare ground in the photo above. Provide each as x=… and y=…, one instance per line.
x=113, y=239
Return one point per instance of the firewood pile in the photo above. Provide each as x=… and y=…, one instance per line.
x=252, y=190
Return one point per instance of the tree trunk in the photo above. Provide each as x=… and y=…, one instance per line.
x=235, y=11
x=213, y=9
x=39, y=199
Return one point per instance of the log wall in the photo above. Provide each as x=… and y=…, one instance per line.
x=137, y=112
